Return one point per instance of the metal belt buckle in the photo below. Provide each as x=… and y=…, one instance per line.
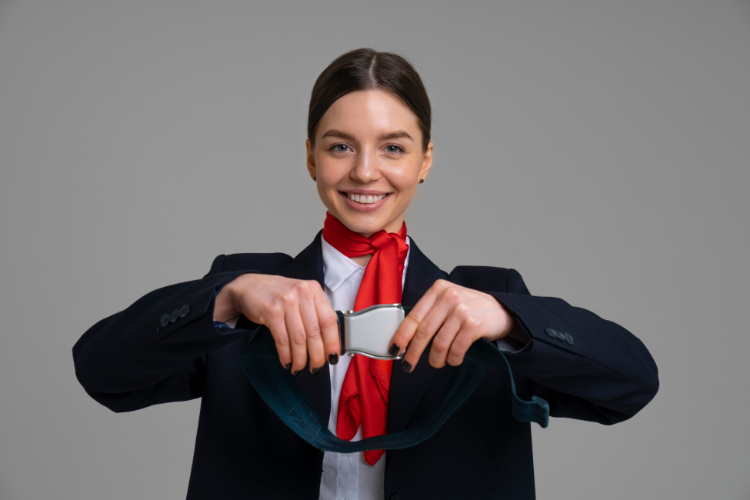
x=369, y=332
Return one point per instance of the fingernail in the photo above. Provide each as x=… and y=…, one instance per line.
x=297, y=372
x=406, y=367
x=394, y=350
x=315, y=371
x=333, y=358
x=288, y=366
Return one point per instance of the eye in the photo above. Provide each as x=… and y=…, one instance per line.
x=333, y=148
x=398, y=149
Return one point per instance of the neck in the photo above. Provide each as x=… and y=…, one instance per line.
x=363, y=260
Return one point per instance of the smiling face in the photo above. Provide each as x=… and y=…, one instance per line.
x=368, y=160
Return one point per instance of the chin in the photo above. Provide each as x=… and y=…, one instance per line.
x=363, y=227
x=362, y=223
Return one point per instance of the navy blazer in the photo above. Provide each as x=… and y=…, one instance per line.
x=136, y=358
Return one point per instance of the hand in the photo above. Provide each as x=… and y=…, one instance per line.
x=456, y=316
x=297, y=313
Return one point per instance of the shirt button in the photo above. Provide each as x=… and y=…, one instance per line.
x=173, y=315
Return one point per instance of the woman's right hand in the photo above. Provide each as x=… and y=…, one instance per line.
x=297, y=313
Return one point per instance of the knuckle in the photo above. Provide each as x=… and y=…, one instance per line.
x=435, y=363
x=275, y=309
x=302, y=288
x=441, y=282
x=452, y=293
x=299, y=338
x=463, y=311
x=282, y=341
x=473, y=323
x=440, y=345
x=422, y=331
x=328, y=320
x=313, y=332
x=455, y=361
x=288, y=298
x=413, y=317
x=456, y=350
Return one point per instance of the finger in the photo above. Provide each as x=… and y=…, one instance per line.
x=472, y=329
x=329, y=327
x=309, y=317
x=461, y=343
x=429, y=325
x=297, y=338
x=277, y=326
x=406, y=330
x=443, y=340
x=467, y=333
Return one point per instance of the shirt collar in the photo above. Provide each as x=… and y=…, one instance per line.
x=337, y=267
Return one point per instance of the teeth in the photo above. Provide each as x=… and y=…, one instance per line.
x=366, y=199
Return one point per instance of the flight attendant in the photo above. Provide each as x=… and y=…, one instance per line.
x=368, y=151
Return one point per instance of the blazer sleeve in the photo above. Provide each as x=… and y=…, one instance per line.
x=155, y=350
x=586, y=367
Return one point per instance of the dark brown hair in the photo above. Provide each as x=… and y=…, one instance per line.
x=366, y=69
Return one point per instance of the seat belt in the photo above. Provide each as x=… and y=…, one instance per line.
x=280, y=390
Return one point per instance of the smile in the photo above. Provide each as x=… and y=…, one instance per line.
x=365, y=199
x=365, y=202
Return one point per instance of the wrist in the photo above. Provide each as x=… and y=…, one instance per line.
x=224, y=308
x=516, y=332
x=513, y=329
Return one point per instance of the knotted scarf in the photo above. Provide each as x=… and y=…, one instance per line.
x=364, y=395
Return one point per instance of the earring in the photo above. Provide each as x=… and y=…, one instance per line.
x=314, y=178
x=421, y=181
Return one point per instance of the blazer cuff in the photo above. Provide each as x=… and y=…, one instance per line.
x=160, y=332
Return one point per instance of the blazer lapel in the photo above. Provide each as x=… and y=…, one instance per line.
x=408, y=389
x=308, y=265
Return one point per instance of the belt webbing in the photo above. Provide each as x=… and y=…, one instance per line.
x=280, y=390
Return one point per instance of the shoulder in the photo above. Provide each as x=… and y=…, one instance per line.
x=266, y=263
x=488, y=278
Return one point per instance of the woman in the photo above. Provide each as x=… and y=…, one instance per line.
x=368, y=149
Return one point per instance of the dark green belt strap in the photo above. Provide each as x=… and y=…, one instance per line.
x=280, y=390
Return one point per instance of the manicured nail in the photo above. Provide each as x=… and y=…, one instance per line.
x=315, y=371
x=288, y=366
x=333, y=358
x=406, y=367
x=297, y=372
x=394, y=350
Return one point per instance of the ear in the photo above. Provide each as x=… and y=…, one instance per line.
x=426, y=162
x=310, y=159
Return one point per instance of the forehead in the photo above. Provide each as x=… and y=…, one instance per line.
x=369, y=111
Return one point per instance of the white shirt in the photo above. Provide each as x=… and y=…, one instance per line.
x=347, y=476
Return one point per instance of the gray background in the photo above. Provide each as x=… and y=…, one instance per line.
x=599, y=147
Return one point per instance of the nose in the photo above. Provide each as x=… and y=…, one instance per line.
x=366, y=167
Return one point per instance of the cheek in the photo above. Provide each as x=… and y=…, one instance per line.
x=331, y=172
x=327, y=175
x=405, y=182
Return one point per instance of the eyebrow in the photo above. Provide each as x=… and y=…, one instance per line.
x=381, y=137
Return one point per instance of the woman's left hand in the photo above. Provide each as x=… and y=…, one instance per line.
x=456, y=316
